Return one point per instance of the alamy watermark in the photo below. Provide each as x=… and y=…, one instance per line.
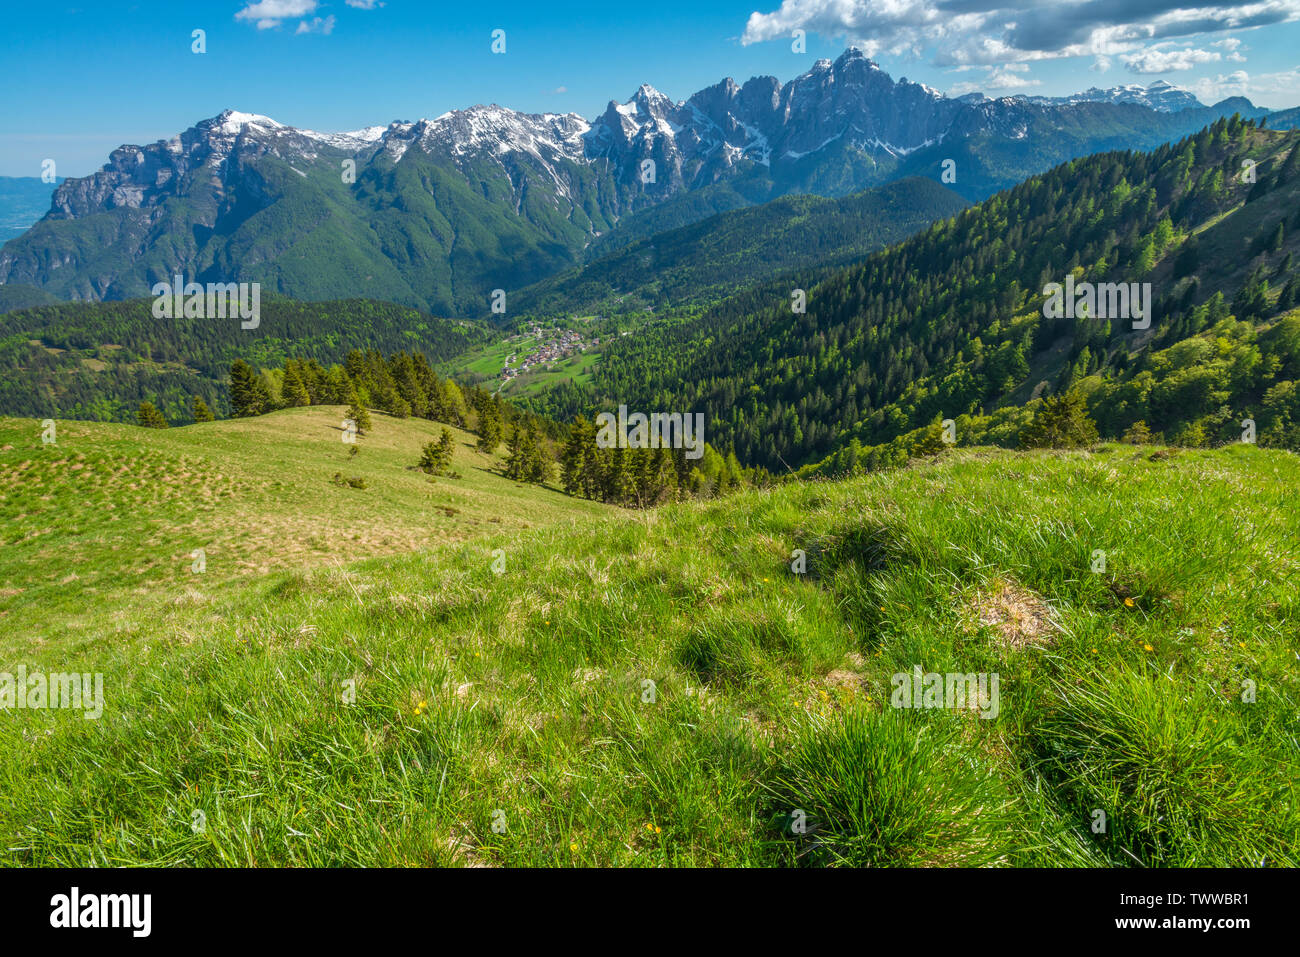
x=37, y=691
x=918, y=689
x=217, y=300
x=659, y=430
x=1103, y=300
x=75, y=909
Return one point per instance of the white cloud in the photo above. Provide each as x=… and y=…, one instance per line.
x=1155, y=60
x=317, y=25
x=996, y=32
x=1233, y=46
x=1277, y=87
x=269, y=13
x=1008, y=77
x=364, y=4
x=1213, y=89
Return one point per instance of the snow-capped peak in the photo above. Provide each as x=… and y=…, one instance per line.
x=233, y=121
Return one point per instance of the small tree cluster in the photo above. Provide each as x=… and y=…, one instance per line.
x=1061, y=423
x=488, y=410
x=525, y=460
x=149, y=417
x=401, y=385
x=644, y=477
x=435, y=458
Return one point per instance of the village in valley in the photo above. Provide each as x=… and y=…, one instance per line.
x=551, y=345
x=538, y=353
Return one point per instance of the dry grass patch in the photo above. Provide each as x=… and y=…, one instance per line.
x=1017, y=616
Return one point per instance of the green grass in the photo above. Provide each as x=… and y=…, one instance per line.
x=524, y=699
x=576, y=369
x=100, y=528
x=489, y=359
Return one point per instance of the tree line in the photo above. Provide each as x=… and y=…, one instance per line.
x=538, y=450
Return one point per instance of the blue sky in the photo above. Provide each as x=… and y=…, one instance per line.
x=83, y=80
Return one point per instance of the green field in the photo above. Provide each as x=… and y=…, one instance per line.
x=649, y=689
x=100, y=527
x=488, y=361
x=576, y=369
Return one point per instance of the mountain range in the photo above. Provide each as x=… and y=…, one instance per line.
x=952, y=323
x=438, y=213
x=1161, y=96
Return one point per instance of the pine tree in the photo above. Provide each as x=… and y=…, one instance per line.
x=149, y=417
x=357, y=412
x=436, y=456
x=201, y=411
x=337, y=386
x=1138, y=434
x=489, y=426
x=1061, y=423
x=1290, y=294
x=248, y=395
x=525, y=460
x=615, y=476
x=294, y=391
x=577, y=458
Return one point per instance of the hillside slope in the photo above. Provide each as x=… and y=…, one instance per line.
x=99, y=529
x=951, y=322
x=667, y=691
x=714, y=257
x=101, y=360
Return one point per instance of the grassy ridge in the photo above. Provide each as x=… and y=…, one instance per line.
x=109, y=516
x=521, y=700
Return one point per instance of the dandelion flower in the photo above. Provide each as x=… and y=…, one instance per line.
x=1148, y=648
x=573, y=847
x=1128, y=602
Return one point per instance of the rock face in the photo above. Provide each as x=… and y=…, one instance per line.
x=435, y=213
x=849, y=103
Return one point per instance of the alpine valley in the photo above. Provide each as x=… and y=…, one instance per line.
x=369, y=583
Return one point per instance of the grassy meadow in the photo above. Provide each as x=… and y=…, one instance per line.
x=101, y=527
x=360, y=679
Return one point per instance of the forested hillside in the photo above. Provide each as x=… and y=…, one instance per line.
x=99, y=361
x=711, y=259
x=951, y=322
